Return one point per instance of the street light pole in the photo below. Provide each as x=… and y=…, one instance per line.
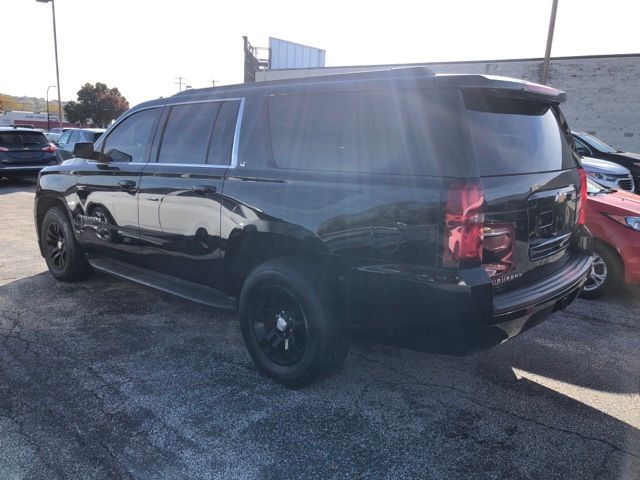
x=547, y=53
x=55, y=46
x=48, y=117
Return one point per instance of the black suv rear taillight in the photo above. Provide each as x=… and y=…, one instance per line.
x=463, y=223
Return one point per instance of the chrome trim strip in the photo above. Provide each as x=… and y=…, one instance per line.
x=558, y=239
x=236, y=136
x=26, y=167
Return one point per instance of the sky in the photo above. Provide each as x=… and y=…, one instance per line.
x=141, y=46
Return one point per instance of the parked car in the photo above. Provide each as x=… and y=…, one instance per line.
x=608, y=174
x=590, y=146
x=55, y=133
x=613, y=217
x=389, y=199
x=24, y=152
x=68, y=139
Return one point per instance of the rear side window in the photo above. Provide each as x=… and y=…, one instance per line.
x=371, y=132
x=199, y=133
x=186, y=134
x=223, y=132
x=13, y=140
x=512, y=136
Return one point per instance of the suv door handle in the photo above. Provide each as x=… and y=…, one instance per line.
x=204, y=189
x=127, y=184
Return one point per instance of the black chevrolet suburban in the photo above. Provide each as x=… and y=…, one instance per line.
x=319, y=206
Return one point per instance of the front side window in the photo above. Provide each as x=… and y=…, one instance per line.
x=129, y=140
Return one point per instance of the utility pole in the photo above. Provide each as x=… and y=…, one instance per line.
x=179, y=83
x=213, y=83
x=55, y=47
x=547, y=53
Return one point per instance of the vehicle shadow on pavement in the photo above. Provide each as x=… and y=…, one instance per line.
x=13, y=185
x=110, y=379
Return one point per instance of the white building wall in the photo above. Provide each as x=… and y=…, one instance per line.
x=603, y=92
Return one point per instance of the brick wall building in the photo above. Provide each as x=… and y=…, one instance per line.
x=603, y=91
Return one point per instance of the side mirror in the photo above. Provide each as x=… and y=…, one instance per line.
x=115, y=155
x=83, y=150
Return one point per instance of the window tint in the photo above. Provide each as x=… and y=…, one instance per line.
x=374, y=132
x=187, y=133
x=223, y=132
x=128, y=141
x=514, y=136
x=22, y=139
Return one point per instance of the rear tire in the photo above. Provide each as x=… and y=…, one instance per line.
x=288, y=322
x=64, y=255
x=607, y=273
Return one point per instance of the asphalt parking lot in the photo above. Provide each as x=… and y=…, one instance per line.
x=106, y=379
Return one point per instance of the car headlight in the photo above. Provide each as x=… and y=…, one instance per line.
x=602, y=176
x=631, y=222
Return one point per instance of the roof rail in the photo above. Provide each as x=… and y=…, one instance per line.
x=394, y=72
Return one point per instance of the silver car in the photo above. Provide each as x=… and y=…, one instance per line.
x=608, y=174
x=55, y=133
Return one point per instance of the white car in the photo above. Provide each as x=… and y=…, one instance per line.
x=608, y=174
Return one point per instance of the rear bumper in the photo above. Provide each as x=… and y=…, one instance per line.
x=412, y=308
x=518, y=310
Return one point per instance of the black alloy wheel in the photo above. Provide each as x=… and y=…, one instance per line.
x=57, y=246
x=65, y=257
x=279, y=325
x=290, y=323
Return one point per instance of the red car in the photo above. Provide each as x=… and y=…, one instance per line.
x=614, y=220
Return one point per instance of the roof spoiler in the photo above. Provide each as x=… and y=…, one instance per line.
x=506, y=85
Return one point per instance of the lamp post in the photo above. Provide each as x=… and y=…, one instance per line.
x=547, y=53
x=48, y=123
x=55, y=46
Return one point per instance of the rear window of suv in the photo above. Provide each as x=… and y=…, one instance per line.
x=13, y=140
x=514, y=136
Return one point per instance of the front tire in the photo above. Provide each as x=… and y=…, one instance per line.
x=288, y=322
x=606, y=274
x=64, y=255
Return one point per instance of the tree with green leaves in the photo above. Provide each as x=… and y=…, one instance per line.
x=97, y=105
